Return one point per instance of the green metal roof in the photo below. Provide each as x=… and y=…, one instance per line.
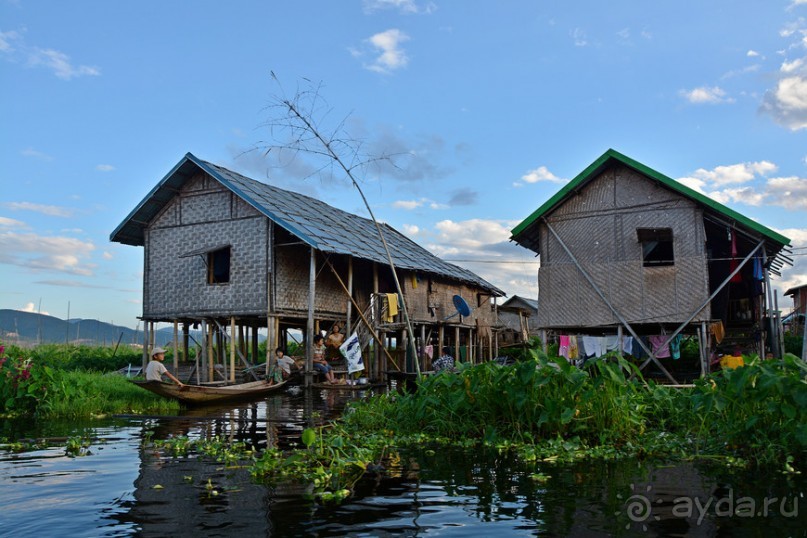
x=611, y=156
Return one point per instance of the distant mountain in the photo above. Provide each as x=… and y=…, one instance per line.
x=27, y=328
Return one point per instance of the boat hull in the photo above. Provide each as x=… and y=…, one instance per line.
x=201, y=395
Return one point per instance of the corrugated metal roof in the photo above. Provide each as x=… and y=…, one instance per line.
x=529, y=241
x=318, y=224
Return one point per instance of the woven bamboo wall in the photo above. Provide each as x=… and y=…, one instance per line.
x=430, y=291
x=204, y=215
x=599, y=226
x=292, y=272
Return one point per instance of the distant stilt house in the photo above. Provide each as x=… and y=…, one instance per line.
x=234, y=255
x=631, y=256
x=796, y=318
x=518, y=318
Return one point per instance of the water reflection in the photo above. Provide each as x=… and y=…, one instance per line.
x=124, y=489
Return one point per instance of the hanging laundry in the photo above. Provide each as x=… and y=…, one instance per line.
x=574, y=352
x=657, y=346
x=675, y=347
x=637, y=350
x=610, y=343
x=717, y=330
x=593, y=345
x=627, y=345
x=392, y=307
x=563, y=348
x=734, y=263
x=759, y=275
x=429, y=351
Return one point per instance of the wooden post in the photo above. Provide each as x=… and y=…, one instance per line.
x=185, y=341
x=233, y=343
x=470, y=353
x=457, y=354
x=176, y=347
x=270, y=343
x=544, y=343
x=376, y=310
x=780, y=331
x=422, y=350
x=619, y=339
x=348, y=324
x=403, y=337
x=309, y=333
x=202, y=353
x=254, y=333
x=146, y=350
x=495, y=343
x=210, y=351
x=703, y=349
x=242, y=343
x=440, y=336
x=774, y=342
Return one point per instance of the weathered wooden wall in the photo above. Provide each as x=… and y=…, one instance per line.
x=599, y=226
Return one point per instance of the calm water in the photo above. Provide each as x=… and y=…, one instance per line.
x=112, y=492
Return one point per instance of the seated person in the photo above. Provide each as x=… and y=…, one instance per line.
x=286, y=364
x=320, y=364
x=332, y=343
x=156, y=369
x=445, y=362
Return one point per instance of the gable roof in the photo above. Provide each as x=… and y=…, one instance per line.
x=316, y=223
x=518, y=302
x=611, y=156
x=795, y=289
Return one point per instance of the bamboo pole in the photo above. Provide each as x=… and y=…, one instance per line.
x=349, y=324
x=232, y=348
x=457, y=355
x=361, y=316
x=210, y=353
x=176, y=347
x=774, y=339
x=309, y=333
x=202, y=353
x=146, y=350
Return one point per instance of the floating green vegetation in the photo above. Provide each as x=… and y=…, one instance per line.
x=547, y=411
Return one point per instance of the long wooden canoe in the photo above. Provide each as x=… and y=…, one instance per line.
x=200, y=395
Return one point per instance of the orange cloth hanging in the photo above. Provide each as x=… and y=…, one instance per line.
x=736, y=279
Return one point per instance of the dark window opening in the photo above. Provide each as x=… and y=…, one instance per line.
x=657, y=246
x=218, y=266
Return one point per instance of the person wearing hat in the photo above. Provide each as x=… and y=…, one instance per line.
x=156, y=368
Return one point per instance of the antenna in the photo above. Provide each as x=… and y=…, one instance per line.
x=462, y=307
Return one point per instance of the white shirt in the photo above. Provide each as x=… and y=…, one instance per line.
x=155, y=371
x=285, y=363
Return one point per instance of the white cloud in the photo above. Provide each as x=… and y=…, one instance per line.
x=407, y=204
x=407, y=7
x=787, y=103
x=788, y=192
x=37, y=252
x=541, y=173
x=706, y=95
x=729, y=174
x=14, y=49
x=624, y=33
x=483, y=246
x=792, y=67
x=35, y=154
x=579, y=37
x=721, y=182
x=50, y=210
x=107, y=255
x=391, y=56
x=105, y=168
x=411, y=229
x=752, y=54
x=6, y=222
x=31, y=307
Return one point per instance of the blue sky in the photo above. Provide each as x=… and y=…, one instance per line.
x=488, y=108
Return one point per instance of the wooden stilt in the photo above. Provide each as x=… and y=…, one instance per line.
x=457, y=354
x=176, y=347
x=349, y=322
x=309, y=340
x=233, y=343
x=146, y=350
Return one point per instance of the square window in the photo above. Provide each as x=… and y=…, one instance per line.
x=657, y=246
x=218, y=266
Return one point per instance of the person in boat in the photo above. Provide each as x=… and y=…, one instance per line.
x=445, y=362
x=320, y=364
x=156, y=369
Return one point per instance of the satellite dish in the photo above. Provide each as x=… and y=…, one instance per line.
x=462, y=307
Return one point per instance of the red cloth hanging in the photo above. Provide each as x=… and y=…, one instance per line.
x=734, y=263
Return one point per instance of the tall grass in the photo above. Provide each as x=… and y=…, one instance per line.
x=83, y=394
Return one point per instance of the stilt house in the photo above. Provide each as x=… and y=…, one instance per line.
x=517, y=320
x=627, y=250
x=236, y=255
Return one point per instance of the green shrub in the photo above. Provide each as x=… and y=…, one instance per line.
x=23, y=383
